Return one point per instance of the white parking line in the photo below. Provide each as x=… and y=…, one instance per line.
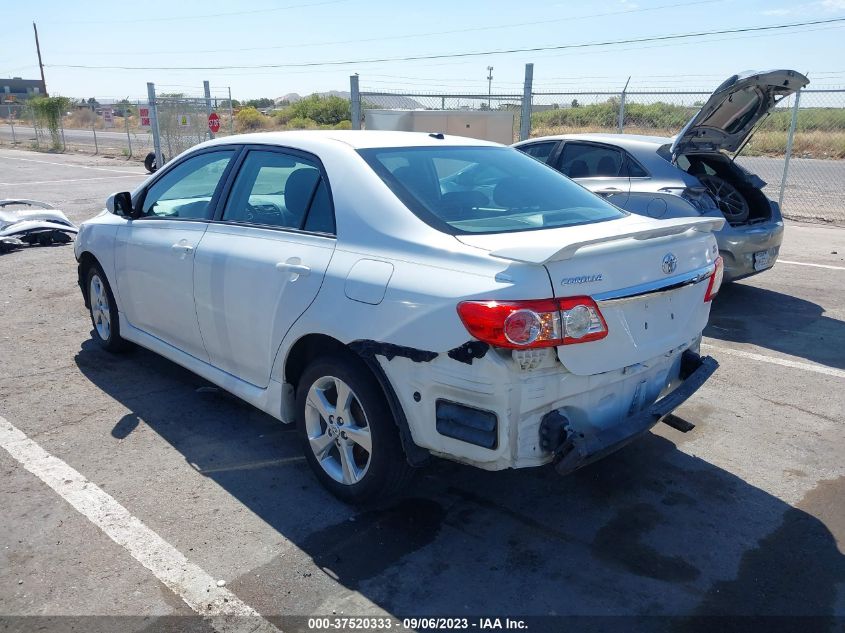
x=774, y=360
x=786, y=261
x=52, y=182
x=46, y=162
x=224, y=611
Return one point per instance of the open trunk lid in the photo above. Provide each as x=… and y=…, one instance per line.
x=733, y=110
x=647, y=276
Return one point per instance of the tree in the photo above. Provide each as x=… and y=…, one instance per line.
x=263, y=102
x=49, y=111
x=123, y=107
x=575, y=103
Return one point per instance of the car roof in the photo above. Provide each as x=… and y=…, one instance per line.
x=628, y=141
x=357, y=139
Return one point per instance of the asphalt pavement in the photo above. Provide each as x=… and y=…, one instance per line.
x=744, y=515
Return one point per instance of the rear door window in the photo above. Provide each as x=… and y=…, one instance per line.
x=540, y=151
x=281, y=190
x=585, y=160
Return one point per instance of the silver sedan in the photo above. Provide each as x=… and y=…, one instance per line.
x=691, y=174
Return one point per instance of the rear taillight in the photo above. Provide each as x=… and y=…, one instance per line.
x=715, y=280
x=582, y=320
x=532, y=324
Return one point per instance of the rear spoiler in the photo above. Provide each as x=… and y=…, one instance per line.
x=577, y=237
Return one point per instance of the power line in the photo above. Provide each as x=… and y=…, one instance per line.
x=510, y=25
x=532, y=49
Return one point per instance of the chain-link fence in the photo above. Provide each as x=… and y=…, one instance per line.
x=120, y=127
x=178, y=120
x=89, y=127
x=802, y=166
x=799, y=149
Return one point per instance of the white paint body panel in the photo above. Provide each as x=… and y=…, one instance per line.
x=154, y=272
x=390, y=277
x=245, y=298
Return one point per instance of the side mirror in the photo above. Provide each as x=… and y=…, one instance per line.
x=120, y=204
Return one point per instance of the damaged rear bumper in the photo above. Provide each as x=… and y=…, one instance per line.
x=573, y=449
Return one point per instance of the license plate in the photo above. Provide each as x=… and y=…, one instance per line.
x=762, y=259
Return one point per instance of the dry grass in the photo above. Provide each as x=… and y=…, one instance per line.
x=815, y=144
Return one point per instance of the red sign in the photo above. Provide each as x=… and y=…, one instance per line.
x=144, y=114
x=214, y=122
x=145, y=121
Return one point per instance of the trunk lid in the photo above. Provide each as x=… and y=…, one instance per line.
x=648, y=278
x=728, y=118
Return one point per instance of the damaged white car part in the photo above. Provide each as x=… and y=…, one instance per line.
x=401, y=295
x=35, y=223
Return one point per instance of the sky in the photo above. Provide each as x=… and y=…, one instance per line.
x=180, y=44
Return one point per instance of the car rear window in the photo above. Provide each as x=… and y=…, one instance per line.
x=460, y=189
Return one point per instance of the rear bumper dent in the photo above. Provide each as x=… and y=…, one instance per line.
x=575, y=450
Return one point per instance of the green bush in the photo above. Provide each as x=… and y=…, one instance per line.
x=343, y=125
x=250, y=119
x=282, y=117
x=663, y=116
x=302, y=123
x=329, y=110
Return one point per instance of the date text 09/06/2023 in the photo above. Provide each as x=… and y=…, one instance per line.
x=345, y=623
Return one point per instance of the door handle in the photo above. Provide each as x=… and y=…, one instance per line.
x=179, y=247
x=608, y=192
x=294, y=267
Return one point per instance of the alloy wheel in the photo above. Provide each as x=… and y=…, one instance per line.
x=338, y=431
x=731, y=202
x=100, y=313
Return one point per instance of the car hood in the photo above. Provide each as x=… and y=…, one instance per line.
x=735, y=107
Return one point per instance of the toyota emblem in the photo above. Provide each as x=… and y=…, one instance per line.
x=670, y=263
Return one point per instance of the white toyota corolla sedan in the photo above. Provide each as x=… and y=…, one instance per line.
x=401, y=295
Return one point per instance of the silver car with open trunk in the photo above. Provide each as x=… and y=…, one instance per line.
x=693, y=174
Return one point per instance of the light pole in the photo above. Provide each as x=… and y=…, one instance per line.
x=489, y=85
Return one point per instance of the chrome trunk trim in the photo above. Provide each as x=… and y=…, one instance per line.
x=657, y=286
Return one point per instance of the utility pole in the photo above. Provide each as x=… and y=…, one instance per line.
x=489, y=85
x=40, y=64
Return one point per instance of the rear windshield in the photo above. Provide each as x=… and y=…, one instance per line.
x=485, y=189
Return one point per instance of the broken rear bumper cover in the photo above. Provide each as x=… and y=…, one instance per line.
x=501, y=409
x=573, y=448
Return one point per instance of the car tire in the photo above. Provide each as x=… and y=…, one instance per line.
x=150, y=162
x=103, y=311
x=336, y=436
x=729, y=199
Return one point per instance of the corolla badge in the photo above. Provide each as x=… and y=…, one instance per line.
x=582, y=279
x=670, y=263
